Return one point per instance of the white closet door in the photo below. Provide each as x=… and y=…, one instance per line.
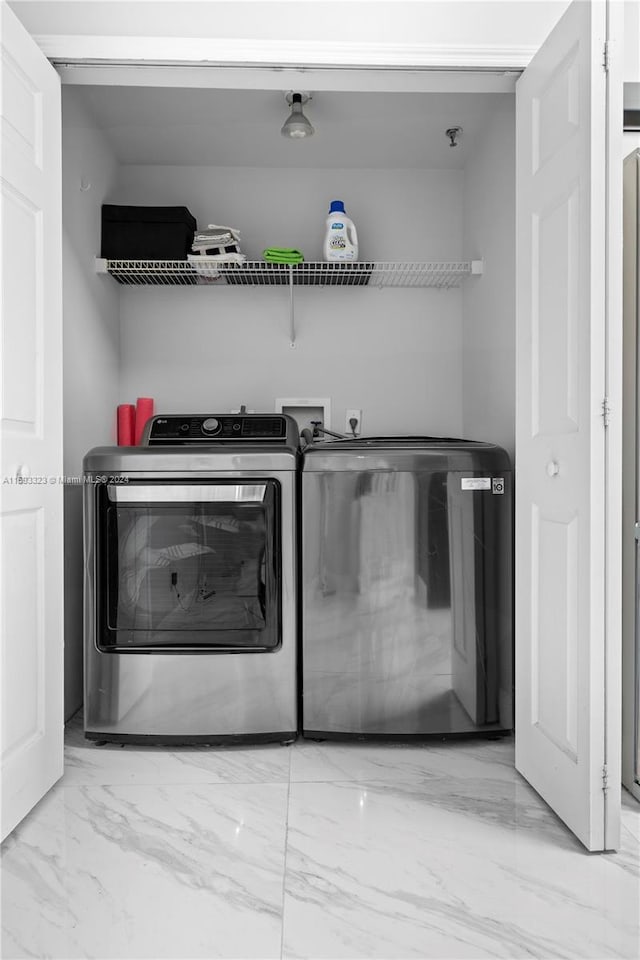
x=567, y=682
x=31, y=424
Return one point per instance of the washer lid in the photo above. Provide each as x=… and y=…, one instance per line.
x=411, y=453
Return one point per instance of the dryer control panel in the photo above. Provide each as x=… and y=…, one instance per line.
x=221, y=428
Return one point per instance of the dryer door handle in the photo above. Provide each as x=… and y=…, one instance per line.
x=187, y=492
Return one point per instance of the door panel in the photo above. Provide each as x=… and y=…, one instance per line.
x=554, y=318
x=31, y=425
x=22, y=342
x=555, y=110
x=22, y=548
x=562, y=640
x=554, y=691
x=22, y=119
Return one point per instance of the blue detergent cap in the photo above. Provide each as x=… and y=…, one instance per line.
x=337, y=206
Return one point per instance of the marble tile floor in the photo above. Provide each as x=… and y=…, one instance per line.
x=310, y=851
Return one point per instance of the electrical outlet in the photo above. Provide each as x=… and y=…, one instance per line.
x=353, y=429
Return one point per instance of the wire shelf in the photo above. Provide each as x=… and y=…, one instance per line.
x=209, y=272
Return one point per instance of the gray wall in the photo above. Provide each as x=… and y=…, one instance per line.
x=91, y=349
x=393, y=353
x=488, y=341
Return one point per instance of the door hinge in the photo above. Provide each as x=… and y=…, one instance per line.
x=606, y=56
x=636, y=531
x=605, y=779
x=606, y=411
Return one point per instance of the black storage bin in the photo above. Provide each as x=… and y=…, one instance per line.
x=146, y=233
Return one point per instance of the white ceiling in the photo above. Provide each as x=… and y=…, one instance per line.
x=197, y=127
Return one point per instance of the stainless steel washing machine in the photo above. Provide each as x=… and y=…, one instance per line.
x=190, y=587
x=407, y=620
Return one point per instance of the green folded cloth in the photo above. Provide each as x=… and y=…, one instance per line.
x=282, y=255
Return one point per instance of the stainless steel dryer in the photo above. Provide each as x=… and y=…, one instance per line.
x=407, y=588
x=190, y=589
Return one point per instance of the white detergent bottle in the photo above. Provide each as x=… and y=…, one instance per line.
x=341, y=239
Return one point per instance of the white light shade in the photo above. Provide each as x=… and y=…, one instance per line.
x=296, y=125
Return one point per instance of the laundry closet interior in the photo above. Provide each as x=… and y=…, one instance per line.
x=422, y=360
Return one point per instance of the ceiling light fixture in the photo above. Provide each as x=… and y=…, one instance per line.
x=454, y=134
x=296, y=126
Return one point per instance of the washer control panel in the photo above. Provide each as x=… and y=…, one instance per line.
x=220, y=428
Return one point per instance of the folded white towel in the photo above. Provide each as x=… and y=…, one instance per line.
x=214, y=239
x=230, y=246
x=232, y=230
x=218, y=242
